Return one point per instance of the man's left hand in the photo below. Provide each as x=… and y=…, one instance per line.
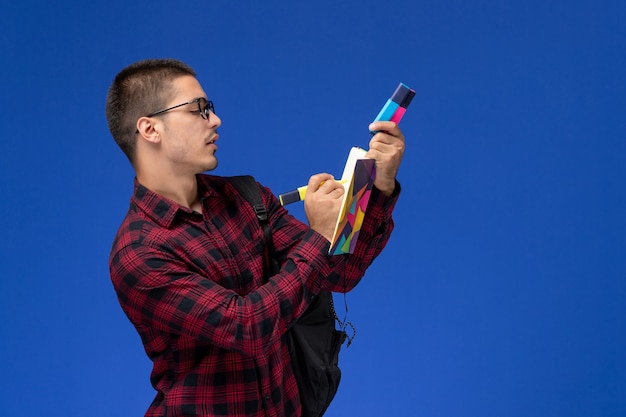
x=387, y=149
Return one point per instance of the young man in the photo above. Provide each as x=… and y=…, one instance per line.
x=187, y=262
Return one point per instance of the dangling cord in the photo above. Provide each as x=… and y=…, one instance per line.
x=348, y=323
x=343, y=324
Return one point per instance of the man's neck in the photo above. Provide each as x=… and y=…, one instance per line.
x=181, y=189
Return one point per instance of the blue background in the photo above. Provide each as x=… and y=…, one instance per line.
x=502, y=291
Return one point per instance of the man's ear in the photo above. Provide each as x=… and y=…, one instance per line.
x=147, y=129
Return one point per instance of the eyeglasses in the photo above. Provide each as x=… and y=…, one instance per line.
x=204, y=106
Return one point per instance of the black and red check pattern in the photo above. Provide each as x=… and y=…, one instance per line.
x=192, y=285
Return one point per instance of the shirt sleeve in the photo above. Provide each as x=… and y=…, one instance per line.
x=159, y=292
x=337, y=273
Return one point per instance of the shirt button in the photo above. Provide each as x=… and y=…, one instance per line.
x=267, y=398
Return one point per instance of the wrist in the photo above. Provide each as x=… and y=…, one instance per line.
x=386, y=189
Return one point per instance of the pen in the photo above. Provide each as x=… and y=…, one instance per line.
x=298, y=194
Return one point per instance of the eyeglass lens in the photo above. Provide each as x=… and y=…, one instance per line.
x=206, y=106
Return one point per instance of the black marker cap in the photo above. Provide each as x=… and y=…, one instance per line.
x=403, y=95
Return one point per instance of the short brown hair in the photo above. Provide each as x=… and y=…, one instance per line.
x=139, y=89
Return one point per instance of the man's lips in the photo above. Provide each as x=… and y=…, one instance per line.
x=213, y=140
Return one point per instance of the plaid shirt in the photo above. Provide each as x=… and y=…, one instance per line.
x=192, y=285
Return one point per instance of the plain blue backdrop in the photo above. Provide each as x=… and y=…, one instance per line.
x=503, y=289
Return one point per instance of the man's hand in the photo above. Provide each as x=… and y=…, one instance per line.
x=387, y=148
x=322, y=204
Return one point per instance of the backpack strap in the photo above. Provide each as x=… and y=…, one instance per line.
x=248, y=188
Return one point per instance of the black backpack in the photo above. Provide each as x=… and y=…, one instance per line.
x=313, y=340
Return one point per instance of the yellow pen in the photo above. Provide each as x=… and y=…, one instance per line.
x=298, y=194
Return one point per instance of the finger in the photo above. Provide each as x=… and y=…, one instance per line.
x=316, y=180
x=380, y=145
x=331, y=185
x=338, y=192
x=386, y=126
x=395, y=146
x=387, y=137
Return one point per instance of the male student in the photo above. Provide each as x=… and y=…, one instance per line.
x=187, y=262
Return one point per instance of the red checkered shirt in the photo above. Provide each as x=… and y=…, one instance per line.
x=192, y=285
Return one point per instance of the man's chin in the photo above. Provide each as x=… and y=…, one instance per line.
x=211, y=166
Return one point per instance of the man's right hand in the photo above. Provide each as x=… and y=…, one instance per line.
x=322, y=204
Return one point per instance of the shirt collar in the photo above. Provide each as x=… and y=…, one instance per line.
x=161, y=209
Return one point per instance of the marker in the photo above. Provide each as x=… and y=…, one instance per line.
x=298, y=194
x=396, y=105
